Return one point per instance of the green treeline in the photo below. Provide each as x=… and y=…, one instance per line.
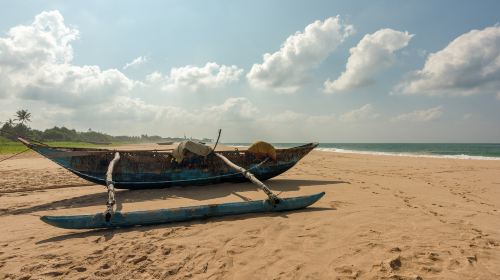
x=71, y=135
x=12, y=128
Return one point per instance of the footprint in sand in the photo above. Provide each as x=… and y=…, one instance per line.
x=429, y=261
x=139, y=259
x=347, y=272
x=472, y=259
x=490, y=243
x=103, y=273
x=453, y=264
x=32, y=268
x=334, y=204
x=395, y=250
x=54, y=273
x=62, y=264
x=105, y=266
x=166, y=251
x=80, y=269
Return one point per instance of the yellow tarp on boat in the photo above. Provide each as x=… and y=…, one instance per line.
x=263, y=148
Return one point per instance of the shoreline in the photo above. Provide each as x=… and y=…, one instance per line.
x=414, y=155
x=395, y=154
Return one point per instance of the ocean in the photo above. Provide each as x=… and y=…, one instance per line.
x=483, y=151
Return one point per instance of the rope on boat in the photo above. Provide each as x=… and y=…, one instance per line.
x=98, y=179
x=217, y=142
x=14, y=155
x=110, y=185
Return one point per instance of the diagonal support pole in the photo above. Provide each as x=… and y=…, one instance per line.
x=110, y=185
x=274, y=199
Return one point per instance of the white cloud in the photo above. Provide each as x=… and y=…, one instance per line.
x=74, y=85
x=233, y=109
x=288, y=116
x=155, y=77
x=421, y=115
x=366, y=112
x=46, y=39
x=321, y=119
x=135, y=109
x=470, y=64
x=239, y=118
x=195, y=78
x=373, y=53
x=37, y=73
x=287, y=70
x=35, y=63
x=137, y=61
x=124, y=110
x=422, y=52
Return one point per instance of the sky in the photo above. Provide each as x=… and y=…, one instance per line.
x=279, y=71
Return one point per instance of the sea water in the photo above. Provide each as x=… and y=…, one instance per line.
x=485, y=151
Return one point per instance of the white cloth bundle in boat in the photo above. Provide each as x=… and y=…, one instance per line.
x=179, y=151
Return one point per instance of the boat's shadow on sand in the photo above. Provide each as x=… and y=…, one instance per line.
x=199, y=193
x=108, y=234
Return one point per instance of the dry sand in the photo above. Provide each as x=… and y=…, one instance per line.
x=382, y=217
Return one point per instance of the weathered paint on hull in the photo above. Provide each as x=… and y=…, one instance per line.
x=162, y=216
x=154, y=169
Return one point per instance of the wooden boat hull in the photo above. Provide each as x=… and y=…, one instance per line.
x=162, y=216
x=158, y=169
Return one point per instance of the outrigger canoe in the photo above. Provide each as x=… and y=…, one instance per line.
x=158, y=169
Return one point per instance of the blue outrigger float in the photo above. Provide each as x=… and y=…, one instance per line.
x=181, y=214
x=144, y=169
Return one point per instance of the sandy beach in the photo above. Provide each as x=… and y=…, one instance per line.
x=383, y=217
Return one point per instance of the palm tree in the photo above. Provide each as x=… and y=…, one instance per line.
x=23, y=116
x=10, y=122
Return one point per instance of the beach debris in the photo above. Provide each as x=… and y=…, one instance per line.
x=395, y=263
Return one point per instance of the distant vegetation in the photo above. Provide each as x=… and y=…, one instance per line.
x=19, y=127
x=7, y=146
x=65, y=137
